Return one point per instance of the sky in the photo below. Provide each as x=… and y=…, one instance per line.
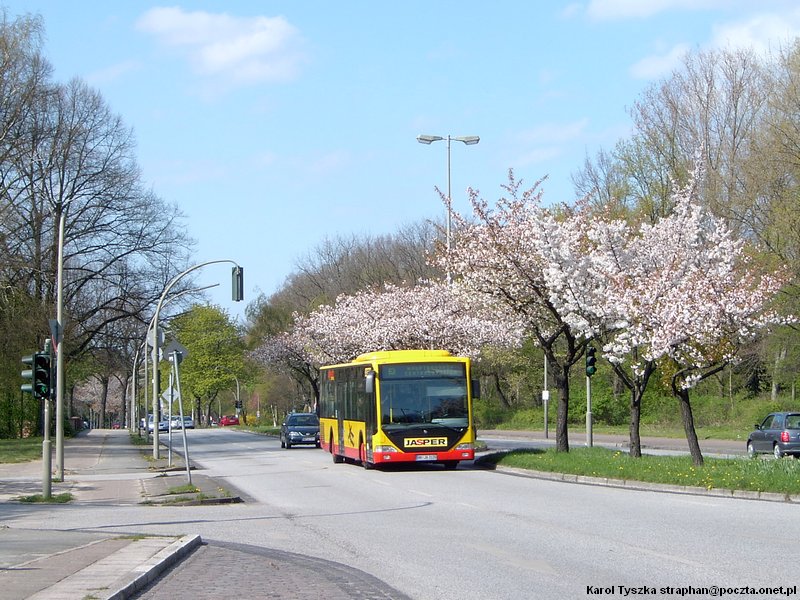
x=275, y=125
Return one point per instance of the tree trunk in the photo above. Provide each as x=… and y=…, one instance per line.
x=503, y=399
x=561, y=380
x=780, y=357
x=103, y=401
x=688, y=427
x=636, y=414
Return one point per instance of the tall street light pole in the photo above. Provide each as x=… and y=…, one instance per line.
x=58, y=342
x=469, y=140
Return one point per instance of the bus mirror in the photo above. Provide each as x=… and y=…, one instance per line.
x=370, y=382
x=476, y=388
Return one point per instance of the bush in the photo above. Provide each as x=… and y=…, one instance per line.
x=609, y=410
x=487, y=414
x=526, y=418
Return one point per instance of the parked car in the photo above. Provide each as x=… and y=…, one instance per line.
x=229, y=420
x=778, y=433
x=300, y=428
x=188, y=422
x=116, y=425
x=175, y=422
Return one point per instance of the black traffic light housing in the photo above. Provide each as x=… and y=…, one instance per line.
x=591, y=361
x=237, y=283
x=39, y=374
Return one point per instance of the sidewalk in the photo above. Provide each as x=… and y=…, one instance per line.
x=103, y=467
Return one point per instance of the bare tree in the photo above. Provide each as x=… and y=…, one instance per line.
x=121, y=242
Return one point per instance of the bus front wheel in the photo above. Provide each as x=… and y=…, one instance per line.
x=336, y=458
x=363, y=454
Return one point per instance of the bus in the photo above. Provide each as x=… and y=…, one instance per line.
x=398, y=406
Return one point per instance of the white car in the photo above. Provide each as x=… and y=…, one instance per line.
x=163, y=424
x=187, y=423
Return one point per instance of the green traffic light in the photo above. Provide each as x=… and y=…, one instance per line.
x=591, y=361
x=38, y=374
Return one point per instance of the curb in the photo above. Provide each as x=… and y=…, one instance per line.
x=643, y=486
x=207, y=491
x=159, y=563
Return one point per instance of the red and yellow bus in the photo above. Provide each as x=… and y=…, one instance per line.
x=398, y=406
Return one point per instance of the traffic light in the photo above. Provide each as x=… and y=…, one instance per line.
x=591, y=361
x=237, y=283
x=39, y=375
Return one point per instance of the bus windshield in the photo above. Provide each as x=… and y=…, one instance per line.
x=424, y=393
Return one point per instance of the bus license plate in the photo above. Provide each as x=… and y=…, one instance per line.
x=426, y=457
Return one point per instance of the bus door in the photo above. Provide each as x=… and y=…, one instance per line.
x=370, y=425
x=341, y=392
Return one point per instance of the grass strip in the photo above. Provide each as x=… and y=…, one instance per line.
x=759, y=474
x=54, y=499
x=20, y=450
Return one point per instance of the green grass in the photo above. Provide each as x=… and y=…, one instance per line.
x=760, y=474
x=183, y=489
x=139, y=440
x=263, y=429
x=54, y=499
x=20, y=450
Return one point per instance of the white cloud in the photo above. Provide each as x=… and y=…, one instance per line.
x=539, y=155
x=657, y=65
x=113, y=73
x=604, y=10
x=763, y=33
x=239, y=49
x=549, y=141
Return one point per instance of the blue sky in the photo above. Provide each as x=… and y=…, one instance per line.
x=276, y=125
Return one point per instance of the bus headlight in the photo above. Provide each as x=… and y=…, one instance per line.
x=379, y=449
x=466, y=446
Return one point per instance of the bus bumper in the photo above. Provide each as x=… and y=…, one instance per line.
x=384, y=458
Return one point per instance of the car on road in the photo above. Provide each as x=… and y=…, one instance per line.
x=229, y=420
x=163, y=424
x=186, y=423
x=778, y=434
x=300, y=428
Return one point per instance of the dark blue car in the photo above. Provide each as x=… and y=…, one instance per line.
x=300, y=428
x=778, y=434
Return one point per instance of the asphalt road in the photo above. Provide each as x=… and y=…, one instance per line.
x=436, y=534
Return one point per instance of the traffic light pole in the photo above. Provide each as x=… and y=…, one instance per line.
x=591, y=369
x=589, y=440
x=40, y=387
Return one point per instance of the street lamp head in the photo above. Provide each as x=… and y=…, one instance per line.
x=469, y=140
x=428, y=139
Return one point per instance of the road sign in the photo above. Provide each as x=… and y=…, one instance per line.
x=175, y=346
x=151, y=336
